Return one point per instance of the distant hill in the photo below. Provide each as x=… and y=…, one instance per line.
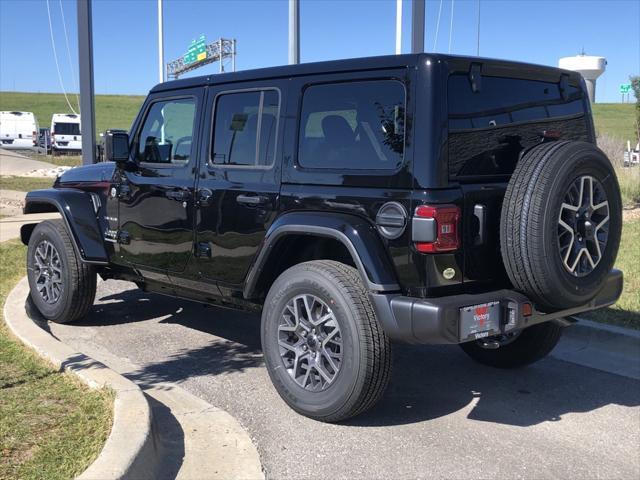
x=615, y=119
x=118, y=111
x=112, y=111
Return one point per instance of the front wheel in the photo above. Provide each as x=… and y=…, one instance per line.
x=62, y=286
x=324, y=349
x=515, y=349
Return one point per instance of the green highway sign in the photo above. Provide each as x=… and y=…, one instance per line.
x=625, y=88
x=196, y=52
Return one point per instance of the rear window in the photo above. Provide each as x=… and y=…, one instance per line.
x=489, y=128
x=353, y=126
x=66, y=128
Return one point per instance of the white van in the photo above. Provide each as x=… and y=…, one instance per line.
x=18, y=130
x=65, y=132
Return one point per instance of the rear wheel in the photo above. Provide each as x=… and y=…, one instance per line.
x=515, y=349
x=324, y=349
x=62, y=287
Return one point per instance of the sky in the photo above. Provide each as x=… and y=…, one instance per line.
x=126, y=53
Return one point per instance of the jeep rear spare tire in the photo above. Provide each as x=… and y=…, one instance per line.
x=326, y=353
x=561, y=223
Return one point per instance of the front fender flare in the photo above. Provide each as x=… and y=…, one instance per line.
x=358, y=235
x=78, y=213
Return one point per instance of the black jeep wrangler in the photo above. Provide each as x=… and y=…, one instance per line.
x=425, y=198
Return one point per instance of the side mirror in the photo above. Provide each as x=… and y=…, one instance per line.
x=116, y=146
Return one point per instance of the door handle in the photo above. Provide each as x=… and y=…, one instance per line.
x=178, y=195
x=252, y=199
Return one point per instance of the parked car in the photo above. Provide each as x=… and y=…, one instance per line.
x=18, y=130
x=65, y=133
x=44, y=140
x=427, y=199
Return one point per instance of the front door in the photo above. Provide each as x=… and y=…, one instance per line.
x=156, y=212
x=239, y=182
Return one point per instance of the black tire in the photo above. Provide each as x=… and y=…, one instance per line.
x=531, y=345
x=365, y=366
x=77, y=288
x=530, y=231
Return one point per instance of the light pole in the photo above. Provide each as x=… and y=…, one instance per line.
x=85, y=63
x=417, y=26
x=160, y=44
x=398, y=27
x=294, y=32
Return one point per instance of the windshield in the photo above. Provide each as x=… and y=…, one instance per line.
x=66, y=128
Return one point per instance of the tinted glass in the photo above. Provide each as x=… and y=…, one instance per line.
x=60, y=128
x=355, y=125
x=489, y=128
x=166, y=135
x=241, y=119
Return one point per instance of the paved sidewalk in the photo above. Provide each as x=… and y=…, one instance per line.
x=14, y=163
x=185, y=438
x=10, y=226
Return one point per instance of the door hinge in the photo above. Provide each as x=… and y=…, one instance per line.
x=203, y=249
x=124, y=238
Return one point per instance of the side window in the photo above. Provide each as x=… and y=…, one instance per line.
x=167, y=132
x=355, y=125
x=245, y=128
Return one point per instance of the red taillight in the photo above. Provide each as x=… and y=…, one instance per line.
x=447, y=219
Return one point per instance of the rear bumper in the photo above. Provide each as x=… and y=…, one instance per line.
x=437, y=320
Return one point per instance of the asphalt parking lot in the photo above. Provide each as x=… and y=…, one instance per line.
x=442, y=416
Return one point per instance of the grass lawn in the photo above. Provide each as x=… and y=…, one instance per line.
x=51, y=425
x=112, y=111
x=25, y=184
x=616, y=119
x=626, y=312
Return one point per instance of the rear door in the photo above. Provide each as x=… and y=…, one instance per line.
x=156, y=209
x=239, y=179
x=489, y=128
x=67, y=132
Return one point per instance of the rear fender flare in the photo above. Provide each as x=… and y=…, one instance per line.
x=357, y=234
x=77, y=210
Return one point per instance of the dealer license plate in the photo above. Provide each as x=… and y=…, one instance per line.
x=480, y=321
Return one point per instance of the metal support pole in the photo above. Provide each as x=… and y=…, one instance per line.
x=233, y=57
x=294, y=32
x=398, y=27
x=85, y=62
x=221, y=54
x=417, y=26
x=160, y=43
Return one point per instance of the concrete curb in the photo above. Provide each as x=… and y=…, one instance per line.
x=604, y=347
x=129, y=451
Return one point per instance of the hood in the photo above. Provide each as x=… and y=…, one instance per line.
x=99, y=172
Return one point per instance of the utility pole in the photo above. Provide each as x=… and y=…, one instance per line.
x=478, y=39
x=160, y=43
x=417, y=26
x=85, y=63
x=398, y=27
x=294, y=32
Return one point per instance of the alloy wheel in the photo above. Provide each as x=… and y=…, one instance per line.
x=583, y=226
x=48, y=272
x=310, y=342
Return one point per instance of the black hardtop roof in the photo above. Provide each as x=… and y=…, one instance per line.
x=455, y=63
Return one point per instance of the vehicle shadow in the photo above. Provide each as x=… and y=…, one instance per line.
x=431, y=382
x=427, y=382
